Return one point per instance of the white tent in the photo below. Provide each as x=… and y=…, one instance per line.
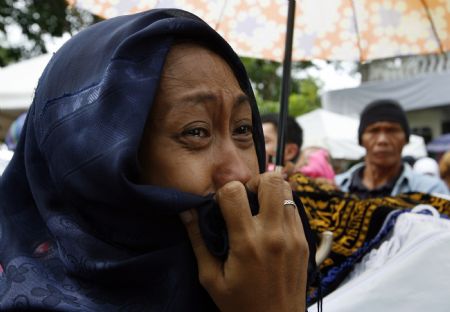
x=339, y=134
x=5, y=157
x=18, y=81
x=416, y=147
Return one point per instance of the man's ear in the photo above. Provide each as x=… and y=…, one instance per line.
x=290, y=151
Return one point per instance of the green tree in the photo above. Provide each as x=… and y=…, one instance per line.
x=36, y=19
x=299, y=103
x=266, y=83
x=266, y=80
x=305, y=101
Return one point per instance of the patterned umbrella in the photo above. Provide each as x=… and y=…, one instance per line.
x=357, y=30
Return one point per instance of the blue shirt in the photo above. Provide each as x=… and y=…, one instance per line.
x=408, y=181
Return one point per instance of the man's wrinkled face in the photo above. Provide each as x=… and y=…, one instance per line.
x=384, y=142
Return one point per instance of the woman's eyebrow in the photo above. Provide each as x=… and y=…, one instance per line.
x=242, y=99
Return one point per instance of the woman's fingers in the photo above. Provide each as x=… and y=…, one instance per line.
x=208, y=266
x=233, y=201
x=266, y=267
x=272, y=193
x=292, y=217
x=267, y=262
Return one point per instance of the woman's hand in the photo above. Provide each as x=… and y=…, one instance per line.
x=266, y=268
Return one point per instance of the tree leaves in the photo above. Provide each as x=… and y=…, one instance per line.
x=266, y=80
x=37, y=19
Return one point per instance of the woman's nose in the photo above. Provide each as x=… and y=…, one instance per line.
x=230, y=165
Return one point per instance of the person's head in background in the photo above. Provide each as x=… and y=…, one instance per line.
x=444, y=168
x=294, y=138
x=428, y=166
x=383, y=132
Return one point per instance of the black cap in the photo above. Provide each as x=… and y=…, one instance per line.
x=383, y=110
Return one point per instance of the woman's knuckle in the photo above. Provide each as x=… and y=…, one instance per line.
x=301, y=246
x=296, y=242
x=206, y=279
x=247, y=246
x=287, y=186
x=273, y=179
x=230, y=189
x=276, y=243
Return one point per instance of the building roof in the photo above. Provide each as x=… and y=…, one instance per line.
x=424, y=91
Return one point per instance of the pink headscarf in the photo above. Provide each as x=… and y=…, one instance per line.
x=318, y=166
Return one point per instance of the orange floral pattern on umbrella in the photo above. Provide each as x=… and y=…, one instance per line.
x=324, y=29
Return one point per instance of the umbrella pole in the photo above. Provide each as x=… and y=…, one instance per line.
x=285, y=87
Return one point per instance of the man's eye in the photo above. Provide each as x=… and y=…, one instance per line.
x=244, y=129
x=196, y=132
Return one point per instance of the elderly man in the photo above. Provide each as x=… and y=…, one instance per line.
x=383, y=132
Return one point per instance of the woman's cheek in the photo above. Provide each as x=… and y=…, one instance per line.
x=195, y=176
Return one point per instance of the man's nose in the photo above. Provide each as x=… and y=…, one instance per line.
x=381, y=138
x=230, y=165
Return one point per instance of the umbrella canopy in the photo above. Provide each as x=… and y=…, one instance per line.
x=440, y=144
x=357, y=30
x=339, y=135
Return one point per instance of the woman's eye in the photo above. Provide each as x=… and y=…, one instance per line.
x=244, y=129
x=196, y=132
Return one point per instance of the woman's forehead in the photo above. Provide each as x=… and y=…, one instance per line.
x=192, y=68
x=186, y=61
x=194, y=75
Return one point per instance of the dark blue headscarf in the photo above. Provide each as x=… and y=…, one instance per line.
x=78, y=230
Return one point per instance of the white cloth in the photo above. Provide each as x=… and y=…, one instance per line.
x=409, y=272
x=5, y=157
x=427, y=165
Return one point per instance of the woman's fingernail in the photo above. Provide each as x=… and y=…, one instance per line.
x=186, y=216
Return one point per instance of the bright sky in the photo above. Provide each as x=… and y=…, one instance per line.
x=333, y=78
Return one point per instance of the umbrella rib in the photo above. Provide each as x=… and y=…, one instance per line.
x=358, y=37
x=433, y=26
x=222, y=11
